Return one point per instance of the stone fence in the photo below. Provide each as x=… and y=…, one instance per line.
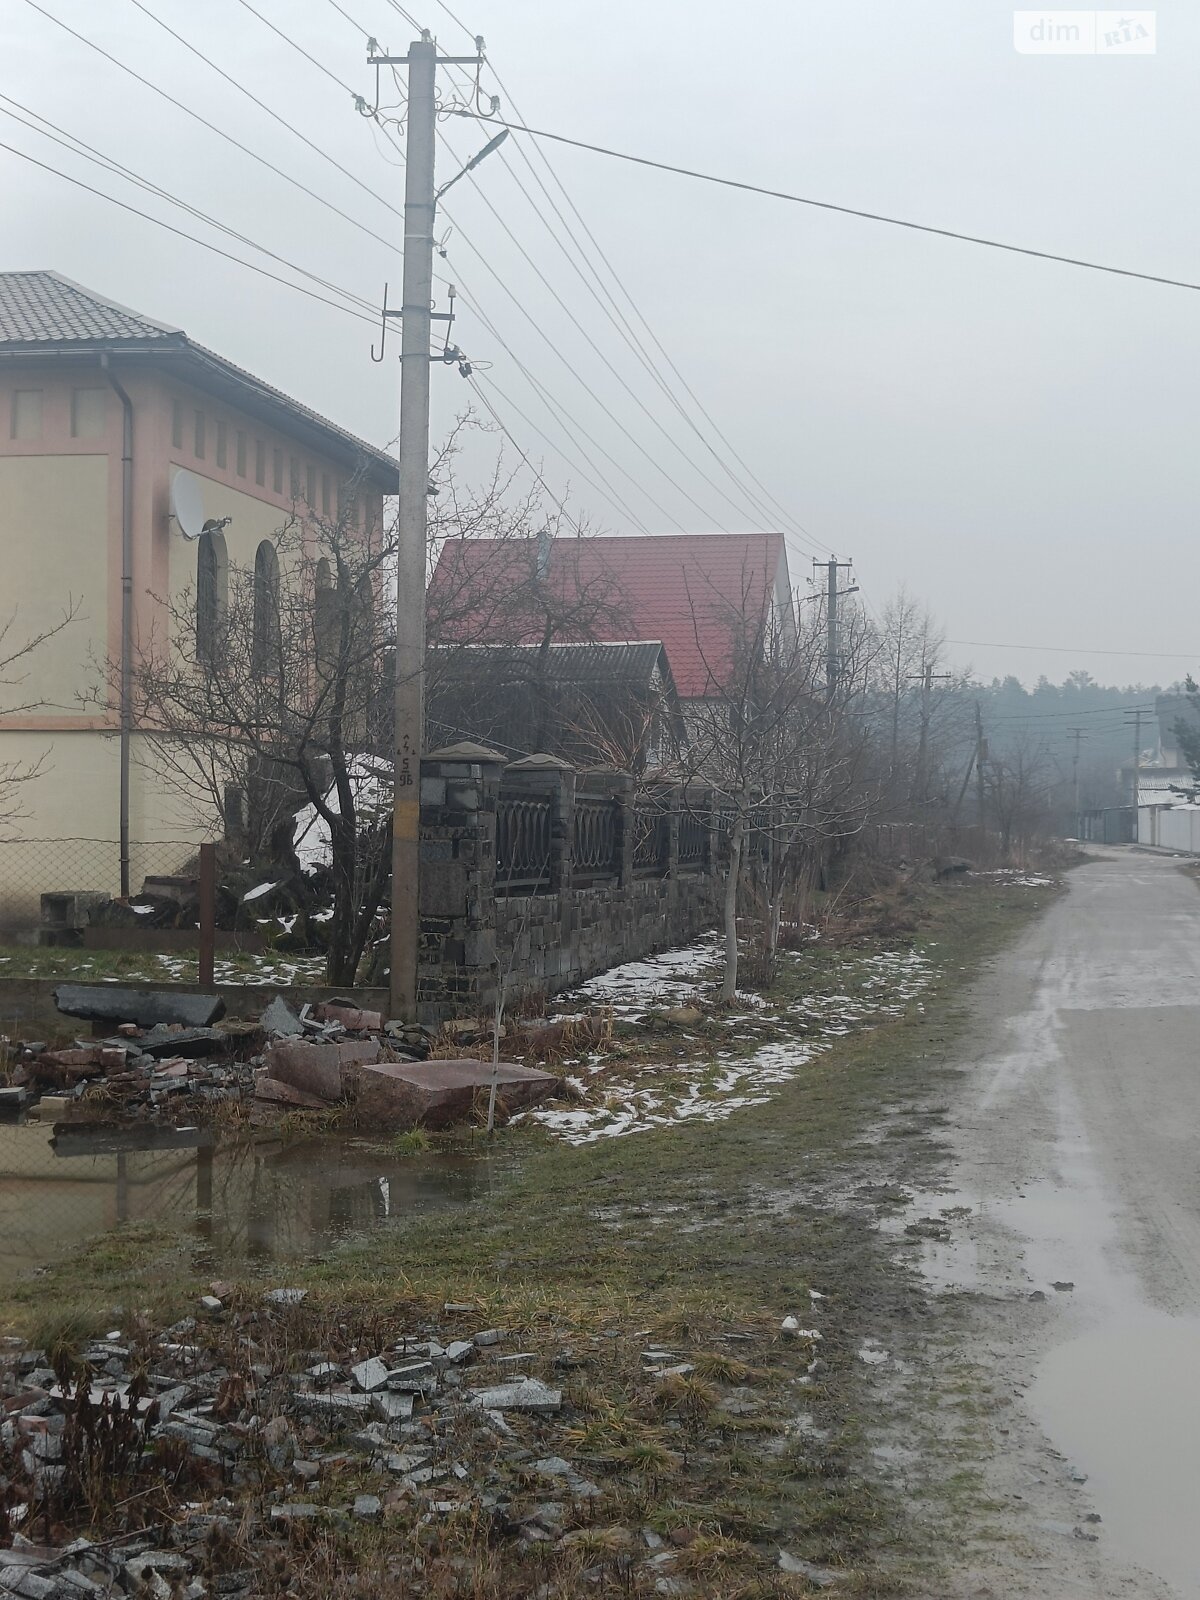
x=537, y=875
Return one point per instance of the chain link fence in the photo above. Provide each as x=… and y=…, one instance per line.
x=31, y=868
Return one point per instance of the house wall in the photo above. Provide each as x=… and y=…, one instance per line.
x=1170, y=827
x=60, y=533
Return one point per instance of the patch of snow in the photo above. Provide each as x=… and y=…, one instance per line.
x=257, y=893
x=371, y=787
x=671, y=979
x=624, y=1096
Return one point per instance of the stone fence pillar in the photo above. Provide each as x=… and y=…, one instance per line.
x=456, y=968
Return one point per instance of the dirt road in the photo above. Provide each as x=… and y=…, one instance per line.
x=1077, y=1144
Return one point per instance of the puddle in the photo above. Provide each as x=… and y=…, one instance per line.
x=1124, y=1404
x=249, y=1202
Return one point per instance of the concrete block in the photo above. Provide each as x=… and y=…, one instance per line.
x=433, y=791
x=109, y=1003
x=315, y=1069
x=276, y=1092
x=437, y=1094
x=443, y=889
x=479, y=949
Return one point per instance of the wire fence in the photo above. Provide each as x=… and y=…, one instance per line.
x=73, y=869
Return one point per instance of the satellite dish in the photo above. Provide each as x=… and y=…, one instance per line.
x=187, y=504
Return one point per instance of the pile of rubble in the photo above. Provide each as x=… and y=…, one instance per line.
x=260, y=1435
x=169, y=1051
x=163, y=1048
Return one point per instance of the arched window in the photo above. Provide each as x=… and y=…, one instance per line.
x=212, y=595
x=266, y=606
x=325, y=617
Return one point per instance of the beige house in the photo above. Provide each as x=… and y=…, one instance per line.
x=100, y=408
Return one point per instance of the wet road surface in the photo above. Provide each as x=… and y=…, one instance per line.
x=1078, y=1140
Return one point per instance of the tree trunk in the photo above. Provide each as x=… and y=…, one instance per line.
x=342, y=962
x=729, y=980
x=774, y=913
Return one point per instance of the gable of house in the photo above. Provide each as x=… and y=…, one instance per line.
x=611, y=704
x=688, y=590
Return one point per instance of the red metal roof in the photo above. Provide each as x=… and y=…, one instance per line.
x=682, y=589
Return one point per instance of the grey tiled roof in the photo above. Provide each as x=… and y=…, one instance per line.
x=39, y=310
x=42, y=307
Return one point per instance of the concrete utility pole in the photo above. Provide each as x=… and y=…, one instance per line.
x=412, y=525
x=832, y=595
x=1078, y=735
x=1136, y=725
x=420, y=203
x=981, y=755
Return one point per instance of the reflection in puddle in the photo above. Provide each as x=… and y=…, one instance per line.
x=261, y=1201
x=1124, y=1403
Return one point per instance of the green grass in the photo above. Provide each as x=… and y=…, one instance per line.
x=173, y=966
x=691, y=1232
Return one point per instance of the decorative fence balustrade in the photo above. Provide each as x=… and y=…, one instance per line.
x=524, y=841
x=595, y=839
x=651, y=841
x=693, y=837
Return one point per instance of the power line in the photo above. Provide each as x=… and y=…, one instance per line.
x=829, y=205
x=625, y=333
x=500, y=423
x=214, y=128
x=1081, y=650
x=558, y=411
x=544, y=394
x=190, y=237
x=79, y=147
x=623, y=329
x=261, y=104
x=578, y=326
x=768, y=498
x=1092, y=711
x=296, y=45
x=588, y=389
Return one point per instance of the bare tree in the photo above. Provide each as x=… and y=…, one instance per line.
x=279, y=708
x=269, y=705
x=16, y=652
x=775, y=745
x=1018, y=782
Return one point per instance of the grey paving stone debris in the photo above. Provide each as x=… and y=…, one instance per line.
x=528, y=1395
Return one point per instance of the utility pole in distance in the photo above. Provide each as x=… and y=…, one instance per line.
x=832, y=595
x=925, y=677
x=1078, y=735
x=420, y=203
x=981, y=755
x=1136, y=725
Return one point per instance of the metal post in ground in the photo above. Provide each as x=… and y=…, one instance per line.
x=208, y=914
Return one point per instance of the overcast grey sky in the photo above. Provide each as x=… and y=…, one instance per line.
x=1013, y=439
